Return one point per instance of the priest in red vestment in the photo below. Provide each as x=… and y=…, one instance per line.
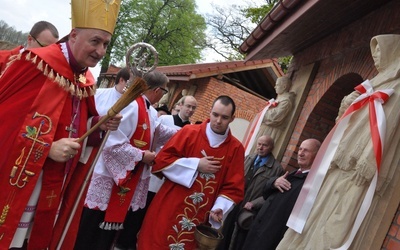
x=42, y=34
x=46, y=99
x=203, y=166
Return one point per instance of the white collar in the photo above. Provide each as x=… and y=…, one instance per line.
x=65, y=51
x=214, y=138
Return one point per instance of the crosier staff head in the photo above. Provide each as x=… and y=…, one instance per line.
x=137, y=58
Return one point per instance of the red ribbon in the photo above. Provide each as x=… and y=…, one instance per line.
x=253, y=124
x=368, y=96
x=272, y=103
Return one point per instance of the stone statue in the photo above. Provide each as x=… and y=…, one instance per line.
x=164, y=99
x=273, y=123
x=354, y=165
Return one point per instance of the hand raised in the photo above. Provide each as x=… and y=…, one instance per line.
x=282, y=184
x=209, y=165
x=112, y=123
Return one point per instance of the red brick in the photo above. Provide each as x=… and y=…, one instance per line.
x=393, y=245
x=393, y=230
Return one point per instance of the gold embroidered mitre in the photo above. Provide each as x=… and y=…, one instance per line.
x=95, y=14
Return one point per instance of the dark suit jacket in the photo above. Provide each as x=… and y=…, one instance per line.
x=269, y=225
x=255, y=182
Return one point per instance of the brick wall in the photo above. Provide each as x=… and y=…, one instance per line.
x=208, y=89
x=392, y=240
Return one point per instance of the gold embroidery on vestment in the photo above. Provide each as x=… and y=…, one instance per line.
x=194, y=202
x=21, y=177
x=139, y=142
x=4, y=213
x=6, y=208
x=51, y=197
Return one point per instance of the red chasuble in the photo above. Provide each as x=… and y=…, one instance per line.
x=176, y=210
x=35, y=108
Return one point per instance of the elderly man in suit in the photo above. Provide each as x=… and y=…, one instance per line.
x=259, y=168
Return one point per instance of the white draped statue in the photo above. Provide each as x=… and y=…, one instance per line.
x=354, y=165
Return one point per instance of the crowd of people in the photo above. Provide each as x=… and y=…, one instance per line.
x=195, y=173
x=154, y=174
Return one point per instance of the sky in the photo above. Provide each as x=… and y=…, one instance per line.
x=22, y=14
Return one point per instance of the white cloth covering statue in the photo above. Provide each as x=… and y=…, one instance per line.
x=354, y=165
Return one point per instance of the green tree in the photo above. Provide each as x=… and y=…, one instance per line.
x=172, y=26
x=256, y=14
x=11, y=35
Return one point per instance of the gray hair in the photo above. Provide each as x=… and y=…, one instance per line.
x=155, y=79
x=40, y=26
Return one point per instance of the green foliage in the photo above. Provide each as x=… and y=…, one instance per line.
x=256, y=14
x=172, y=26
x=284, y=62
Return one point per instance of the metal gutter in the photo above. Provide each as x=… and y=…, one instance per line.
x=270, y=21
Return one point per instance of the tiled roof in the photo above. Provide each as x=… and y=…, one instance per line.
x=112, y=70
x=257, y=77
x=200, y=70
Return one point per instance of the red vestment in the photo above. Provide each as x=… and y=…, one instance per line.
x=175, y=210
x=35, y=108
x=5, y=56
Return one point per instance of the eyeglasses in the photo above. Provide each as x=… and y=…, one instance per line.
x=41, y=45
x=165, y=90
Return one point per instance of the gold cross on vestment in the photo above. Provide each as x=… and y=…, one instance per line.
x=51, y=197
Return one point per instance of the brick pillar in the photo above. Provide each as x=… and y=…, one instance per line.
x=392, y=240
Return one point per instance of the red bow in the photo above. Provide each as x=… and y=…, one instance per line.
x=377, y=126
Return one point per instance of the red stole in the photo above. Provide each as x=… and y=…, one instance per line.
x=121, y=195
x=31, y=148
x=28, y=146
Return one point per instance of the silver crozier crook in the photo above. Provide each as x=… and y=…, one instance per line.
x=137, y=57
